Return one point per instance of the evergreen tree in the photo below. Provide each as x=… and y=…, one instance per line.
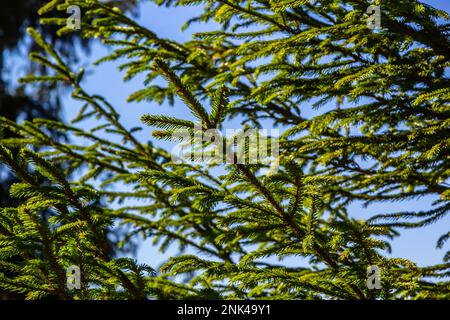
x=43, y=100
x=380, y=134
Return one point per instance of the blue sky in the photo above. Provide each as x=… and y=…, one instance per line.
x=417, y=245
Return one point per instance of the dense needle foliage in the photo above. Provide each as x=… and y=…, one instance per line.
x=379, y=131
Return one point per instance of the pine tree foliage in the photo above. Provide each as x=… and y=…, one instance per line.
x=380, y=133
